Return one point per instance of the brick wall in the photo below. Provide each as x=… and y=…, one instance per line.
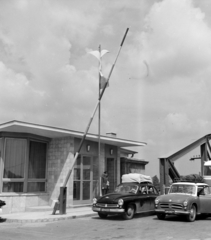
x=60, y=160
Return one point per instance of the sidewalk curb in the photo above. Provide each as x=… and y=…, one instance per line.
x=47, y=219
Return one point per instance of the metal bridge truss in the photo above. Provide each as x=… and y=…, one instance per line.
x=167, y=167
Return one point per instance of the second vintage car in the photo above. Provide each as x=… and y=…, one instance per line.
x=185, y=198
x=136, y=194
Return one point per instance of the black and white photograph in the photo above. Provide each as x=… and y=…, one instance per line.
x=105, y=124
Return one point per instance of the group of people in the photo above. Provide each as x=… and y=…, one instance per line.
x=104, y=183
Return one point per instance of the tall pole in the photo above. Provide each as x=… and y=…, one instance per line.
x=99, y=113
x=62, y=195
x=95, y=109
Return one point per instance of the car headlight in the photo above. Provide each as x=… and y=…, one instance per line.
x=156, y=201
x=185, y=203
x=94, y=200
x=120, y=202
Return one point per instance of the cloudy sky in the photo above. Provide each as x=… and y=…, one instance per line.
x=159, y=90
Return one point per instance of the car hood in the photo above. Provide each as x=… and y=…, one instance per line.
x=178, y=198
x=114, y=197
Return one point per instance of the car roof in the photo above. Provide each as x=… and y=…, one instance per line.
x=207, y=163
x=190, y=183
x=142, y=183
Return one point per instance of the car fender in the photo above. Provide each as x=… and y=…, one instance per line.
x=128, y=202
x=196, y=203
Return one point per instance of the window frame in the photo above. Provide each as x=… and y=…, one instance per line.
x=29, y=138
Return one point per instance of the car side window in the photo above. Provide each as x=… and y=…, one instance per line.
x=206, y=190
x=156, y=191
x=151, y=190
x=143, y=190
x=199, y=189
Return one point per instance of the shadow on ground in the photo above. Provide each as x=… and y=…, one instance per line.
x=119, y=217
x=2, y=220
x=182, y=218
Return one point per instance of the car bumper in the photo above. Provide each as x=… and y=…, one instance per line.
x=172, y=212
x=108, y=210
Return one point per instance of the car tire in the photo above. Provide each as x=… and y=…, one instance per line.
x=161, y=216
x=129, y=213
x=103, y=215
x=192, y=216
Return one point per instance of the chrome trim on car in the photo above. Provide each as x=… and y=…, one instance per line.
x=171, y=205
x=172, y=212
x=113, y=210
x=105, y=205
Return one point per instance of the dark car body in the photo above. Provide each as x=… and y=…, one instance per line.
x=127, y=199
x=185, y=198
x=2, y=203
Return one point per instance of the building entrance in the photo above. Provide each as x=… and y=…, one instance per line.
x=111, y=169
x=82, y=180
x=85, y=179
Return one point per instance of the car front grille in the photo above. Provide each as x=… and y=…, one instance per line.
x=104, y=205
x=174, y=206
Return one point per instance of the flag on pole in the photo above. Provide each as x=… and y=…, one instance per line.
x=99, y=55
x=103, y=81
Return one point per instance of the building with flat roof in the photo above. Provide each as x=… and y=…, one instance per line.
x=35, y=160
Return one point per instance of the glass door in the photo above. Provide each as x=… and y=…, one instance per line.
x=86, y=178
x=82, y=183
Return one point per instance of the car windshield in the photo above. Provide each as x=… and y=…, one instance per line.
x=123, y=188
x=207, y=170
x=183, y=188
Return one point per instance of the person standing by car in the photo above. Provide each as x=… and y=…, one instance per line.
x=104, y=183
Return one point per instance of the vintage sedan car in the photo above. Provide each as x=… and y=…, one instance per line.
x=2, y=203
x=185, y=198
x=127, y=199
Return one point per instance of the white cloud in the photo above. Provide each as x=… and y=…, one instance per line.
x=108, y=29
x=40, y=42
x=177, y=40
x=177, y=48
x=175, y=98
x=178, y=122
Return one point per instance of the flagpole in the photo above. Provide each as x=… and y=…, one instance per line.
x=99, y=113
x=90, y=121
x=95, y=109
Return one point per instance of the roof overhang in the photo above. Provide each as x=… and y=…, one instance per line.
x=128, y=151
x=54, y=132
x=128, y=159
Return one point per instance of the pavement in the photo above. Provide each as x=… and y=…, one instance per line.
x=47, y=216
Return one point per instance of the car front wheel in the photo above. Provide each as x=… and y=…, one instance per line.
x=192, y=216
x=161, y=216
x=103, y=215
x=129, y=213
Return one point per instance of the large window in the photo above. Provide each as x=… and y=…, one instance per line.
x=24, y=165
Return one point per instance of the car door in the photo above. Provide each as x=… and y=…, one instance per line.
x=144, y=204
x=205, y=200
x=152, y=195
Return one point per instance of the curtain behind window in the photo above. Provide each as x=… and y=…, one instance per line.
x=15, y=154
x=37, y=160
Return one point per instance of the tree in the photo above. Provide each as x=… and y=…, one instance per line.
x=156, y=182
